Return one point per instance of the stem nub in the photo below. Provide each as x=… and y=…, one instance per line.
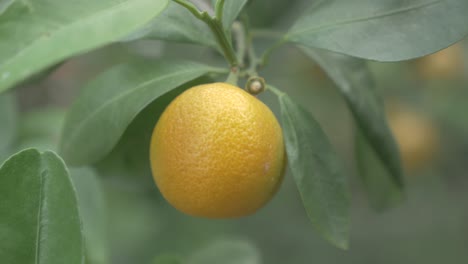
x=255, y=85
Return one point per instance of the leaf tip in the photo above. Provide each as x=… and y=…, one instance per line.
x=339, y=241
x=343, y=244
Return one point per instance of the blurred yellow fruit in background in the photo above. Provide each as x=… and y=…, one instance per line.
x=445, y=64
x=416, y=135
x=217, y=152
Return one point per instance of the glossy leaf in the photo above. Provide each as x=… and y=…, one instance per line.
x=390, y=30
x=357, y=86
x=176, y=24
x=8, y=121
x=228, y=252
x=129, y=158
x=108, y=104
x=40, y=222
x=382, y=191
x=317, y=171
x=38, y=34
x=93, y=214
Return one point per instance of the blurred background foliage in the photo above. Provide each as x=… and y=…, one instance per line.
x=426, y=102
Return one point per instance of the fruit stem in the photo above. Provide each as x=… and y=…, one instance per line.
x=238, y=31
x=216, y=26
x=253, y=60
x=219, y=10
x=233, y=76
x=190, y=7
x=218, y=31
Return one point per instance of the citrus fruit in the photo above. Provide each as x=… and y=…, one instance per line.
x=416, y=137
x=217, y=152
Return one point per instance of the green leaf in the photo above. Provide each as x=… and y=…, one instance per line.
x=108, y=104
x=231, y=11
x=38, y=34
x=176, y=24
x=39, y=221
x=382, y=191
x=390, y=30
x=8, y=127
x=227, y=252
x=357, y=86
x=93, y=213
x=317, y=171
x=130, y=156
x=167, y=259
x=265, y=13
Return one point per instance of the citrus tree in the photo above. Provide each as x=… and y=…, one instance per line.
x=217, y=151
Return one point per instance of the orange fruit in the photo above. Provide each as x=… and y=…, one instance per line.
x=416, y=137
x=217, y=152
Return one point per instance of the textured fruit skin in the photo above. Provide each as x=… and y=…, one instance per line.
x=217, y=152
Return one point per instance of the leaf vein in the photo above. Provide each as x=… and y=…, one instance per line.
x=311, y=30
x=39, y=217
x=86, y=20
x=117, y=98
